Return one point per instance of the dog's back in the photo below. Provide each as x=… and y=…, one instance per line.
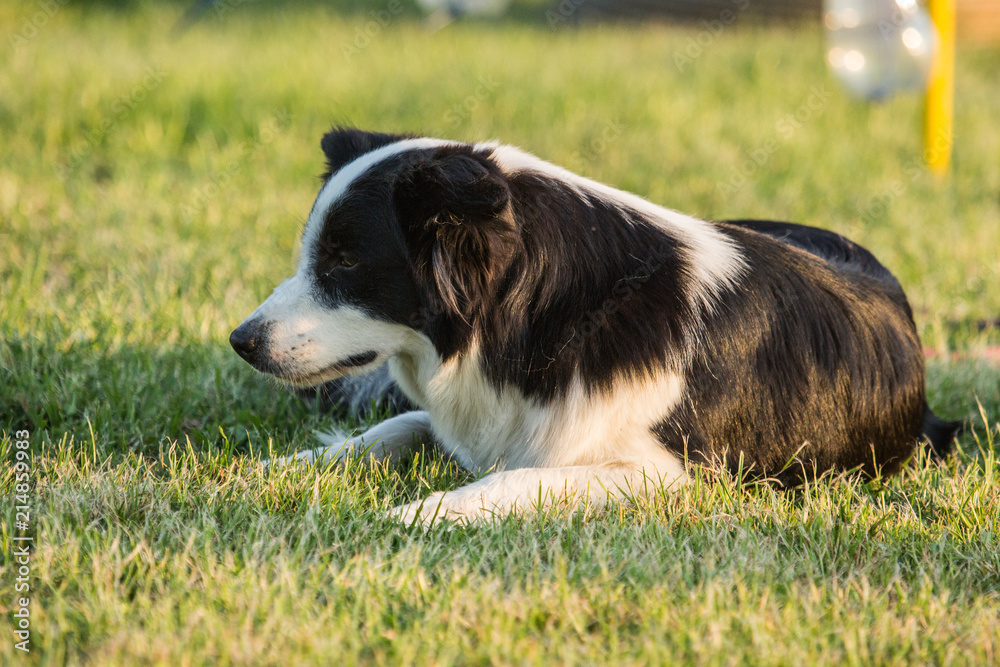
x=850, y=257
x=834, y=248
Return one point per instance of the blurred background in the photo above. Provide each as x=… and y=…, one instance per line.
x=157, y=161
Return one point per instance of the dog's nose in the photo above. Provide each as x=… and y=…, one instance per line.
x=245, y=339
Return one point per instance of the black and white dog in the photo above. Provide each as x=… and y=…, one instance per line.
x=578, y=342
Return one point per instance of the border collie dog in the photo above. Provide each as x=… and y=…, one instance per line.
x=579, y=343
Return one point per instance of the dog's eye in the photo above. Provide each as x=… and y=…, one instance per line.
x=340, y=260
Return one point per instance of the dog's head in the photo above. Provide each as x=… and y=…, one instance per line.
x=405, y=243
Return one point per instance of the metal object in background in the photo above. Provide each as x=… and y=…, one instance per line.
x=457, y=8
x=877, y=47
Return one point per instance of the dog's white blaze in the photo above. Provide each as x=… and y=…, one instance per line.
x=342, y=179
x=284, y=298
x=305, y=338
x=716, y=261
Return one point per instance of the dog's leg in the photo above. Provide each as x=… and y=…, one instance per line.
x=526, y=489
x=393, y=438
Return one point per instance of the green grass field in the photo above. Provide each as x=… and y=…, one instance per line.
x=152, y=187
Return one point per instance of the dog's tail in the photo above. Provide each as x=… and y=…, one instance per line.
x=939, y=434
x=360, y=395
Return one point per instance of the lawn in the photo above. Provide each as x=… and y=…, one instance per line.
x=153, y=183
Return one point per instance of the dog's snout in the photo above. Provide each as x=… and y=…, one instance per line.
x=246, y=339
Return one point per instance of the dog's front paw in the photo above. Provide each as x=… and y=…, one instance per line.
x=305, y=457
x=337, y=448
x=424, y=511
x=312, y=456
x=454, y=506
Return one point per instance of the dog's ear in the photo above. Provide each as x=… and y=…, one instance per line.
x=342, y=145
x=454, y=207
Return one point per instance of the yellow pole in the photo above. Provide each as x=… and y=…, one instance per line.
x=940, y=109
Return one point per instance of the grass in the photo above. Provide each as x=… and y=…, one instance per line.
x=151, y=191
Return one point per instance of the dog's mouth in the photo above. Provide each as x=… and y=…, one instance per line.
x=331, y=372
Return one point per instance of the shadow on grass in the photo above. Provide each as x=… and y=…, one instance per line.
x=127, y=398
